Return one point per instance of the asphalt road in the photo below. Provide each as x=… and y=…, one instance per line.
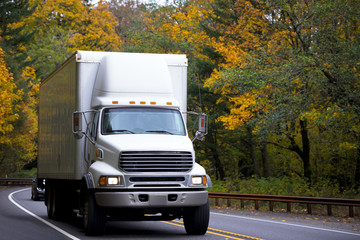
x=22, y=218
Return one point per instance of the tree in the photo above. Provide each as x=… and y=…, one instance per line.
x=129, y=15
x=64, y=26
x=9, y=99
x=17, y=144
x=288, y=49
x=12, y=38
x=18, y=124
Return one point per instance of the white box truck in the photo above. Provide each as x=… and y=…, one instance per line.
x=113, y=143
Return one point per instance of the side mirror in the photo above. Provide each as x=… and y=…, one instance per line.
x=202, y=127
x=77, y=124
x=202, y=123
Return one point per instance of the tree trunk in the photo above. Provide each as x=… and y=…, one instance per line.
x=357, y=170
x=264, y=156
x=253, y=152
x=304, y=153
x=220, y=174
x=306, y=149
x=219, y=169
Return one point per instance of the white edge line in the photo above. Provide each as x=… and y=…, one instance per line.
x=10, y=197
x=289, y=224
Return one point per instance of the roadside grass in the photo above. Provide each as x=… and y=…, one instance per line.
x=23, y=174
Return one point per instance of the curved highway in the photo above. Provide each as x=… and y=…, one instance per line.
x=22, y=218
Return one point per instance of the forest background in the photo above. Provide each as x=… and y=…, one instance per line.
x=279, y=79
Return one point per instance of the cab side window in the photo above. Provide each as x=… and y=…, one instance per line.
x=95, y=125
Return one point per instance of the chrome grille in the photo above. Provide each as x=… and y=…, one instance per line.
x=155, y=161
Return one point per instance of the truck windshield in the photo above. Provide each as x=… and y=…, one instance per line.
x=142, y=121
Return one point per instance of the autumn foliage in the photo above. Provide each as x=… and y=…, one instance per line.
x=279, y=79
x=9, y=100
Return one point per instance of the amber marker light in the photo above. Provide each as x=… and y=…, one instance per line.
x=131, y=102
x=153, y=103
x=102, y=181
x=142, y=102
x=169, y=103
x=115, y=102
x=76, y=122
x=204, y=180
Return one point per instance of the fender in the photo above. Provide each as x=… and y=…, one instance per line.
x=87, y=184
x=208, y=181
x=88, y=181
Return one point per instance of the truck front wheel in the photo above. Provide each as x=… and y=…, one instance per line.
x=94, y=216
x=196, y=219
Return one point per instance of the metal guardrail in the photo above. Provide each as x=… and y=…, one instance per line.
x=329, y=202
x=309, y=201
x=15, y=181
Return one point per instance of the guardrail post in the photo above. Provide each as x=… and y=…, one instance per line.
x=256, y=205
x=351, y=211
x=271, y=206
x=288, y=207
x=242, y=201
x=217, y=202
x=228, y=202
x=309, y=210
x=329, y=209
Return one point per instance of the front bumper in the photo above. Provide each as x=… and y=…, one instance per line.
x=151, y=199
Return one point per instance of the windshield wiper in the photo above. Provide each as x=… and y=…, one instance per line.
x=122, y=131
x=160, y=131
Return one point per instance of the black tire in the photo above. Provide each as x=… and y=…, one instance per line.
x=58, y=203
x=94, y=216
x=53, y=202
x=48, y=201
x=196, y=219
x=35, y=198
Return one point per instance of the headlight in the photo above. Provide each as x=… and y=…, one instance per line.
x=198, y=180
x=113, y=180
x=109, y=181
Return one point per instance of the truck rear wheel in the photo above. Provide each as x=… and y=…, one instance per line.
x=48, y=201
x=58, y=204
x=196, y=219
x=54, y=206
x=94, y=216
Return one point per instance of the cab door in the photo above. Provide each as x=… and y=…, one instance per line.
x=90, y=145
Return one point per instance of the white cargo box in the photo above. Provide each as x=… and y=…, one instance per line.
x=91, y=80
